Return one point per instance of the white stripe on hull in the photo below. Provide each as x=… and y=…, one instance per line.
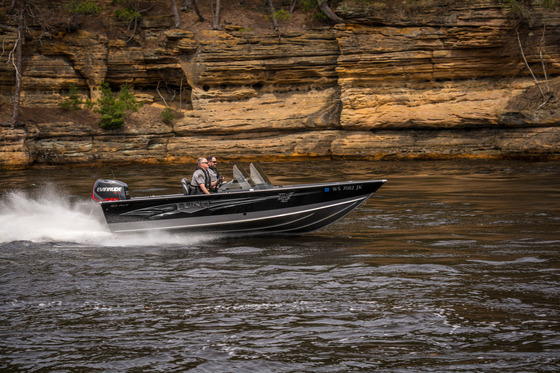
x=288, y=218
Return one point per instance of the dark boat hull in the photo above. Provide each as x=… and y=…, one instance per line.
x=280, y=210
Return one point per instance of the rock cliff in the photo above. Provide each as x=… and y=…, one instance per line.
x=432, y=79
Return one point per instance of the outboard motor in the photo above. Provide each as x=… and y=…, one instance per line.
x=109, y=190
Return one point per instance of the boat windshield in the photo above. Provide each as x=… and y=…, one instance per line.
x=258, y=175
x=257, y=179
x=242, y=178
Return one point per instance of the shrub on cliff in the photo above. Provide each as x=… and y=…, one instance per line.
x=84, y=7
x=113, y=109
x=73, y=100
x=168, y=115
x=87, y=7
x=127, y=14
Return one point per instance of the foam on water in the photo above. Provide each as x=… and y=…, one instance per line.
x=509, y=262
x=52, y=216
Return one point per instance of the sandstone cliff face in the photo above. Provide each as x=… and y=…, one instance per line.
x=439, y=81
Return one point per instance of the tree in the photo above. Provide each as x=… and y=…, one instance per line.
x=77, y=7
x=73, y=100
x=193, y=4
x=186, y=5
x=272, y=11
x=324, y=6
x=521, y=12
x=129, y=12
x=16, y=58
x=293, y=4
x=175, y=14
x=113, y=110
x=215, y=14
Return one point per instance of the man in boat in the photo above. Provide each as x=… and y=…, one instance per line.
x=215, y=178
x=201, y=178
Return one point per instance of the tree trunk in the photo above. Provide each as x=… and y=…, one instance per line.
x=197, y=11
x=18, y=64
x=12, y=6
x=273, y=13
x=215, y=15
x=176, y=14
x=293, y=6
x=186, y=5
x=328, y=12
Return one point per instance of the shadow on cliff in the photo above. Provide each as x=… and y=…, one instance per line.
x=532, y=106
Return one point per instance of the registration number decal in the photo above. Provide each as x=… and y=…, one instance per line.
x=344, y=188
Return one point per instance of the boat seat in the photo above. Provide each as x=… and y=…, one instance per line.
x=187, y=187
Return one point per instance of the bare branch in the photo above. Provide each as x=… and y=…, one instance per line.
x=545, y=102
x=160, y=95
x=181, y=95
x=293, y=6
x=16, y=57
x=529, y=67
x=135, y=20
x=542, y=61
x=544, y=72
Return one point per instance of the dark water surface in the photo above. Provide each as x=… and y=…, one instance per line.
x=451, y=267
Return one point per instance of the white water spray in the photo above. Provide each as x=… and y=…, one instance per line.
x=53, y=216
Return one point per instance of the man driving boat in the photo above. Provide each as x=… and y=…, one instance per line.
x=201, y=178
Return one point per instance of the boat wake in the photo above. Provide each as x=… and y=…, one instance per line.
x=50, y=217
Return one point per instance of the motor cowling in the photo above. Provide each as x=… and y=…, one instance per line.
x=109, y=190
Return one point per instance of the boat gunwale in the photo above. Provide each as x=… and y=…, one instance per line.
x=236, y=192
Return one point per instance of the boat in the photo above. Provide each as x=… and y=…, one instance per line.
x=249, y=204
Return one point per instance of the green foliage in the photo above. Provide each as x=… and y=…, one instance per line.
x=89, y=104
x=308, y=5
x=516, y=8
x=113, y=109
x=521, y=8
x=168, y=115
x=73, y=100
x=127, y=98
x=550, y=4
x=84, y=7
x=126, y=11
x=282, y=15
x=126, y=14
x=112, y=114
x=312, y=5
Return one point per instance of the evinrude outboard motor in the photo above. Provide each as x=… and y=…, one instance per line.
x=109, y=190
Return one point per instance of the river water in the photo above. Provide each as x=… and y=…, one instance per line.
x=450, y=267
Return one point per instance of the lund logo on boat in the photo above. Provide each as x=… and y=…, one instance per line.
x=285, y=197
x=193, y=205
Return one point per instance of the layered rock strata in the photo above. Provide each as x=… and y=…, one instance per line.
x=424, y=82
